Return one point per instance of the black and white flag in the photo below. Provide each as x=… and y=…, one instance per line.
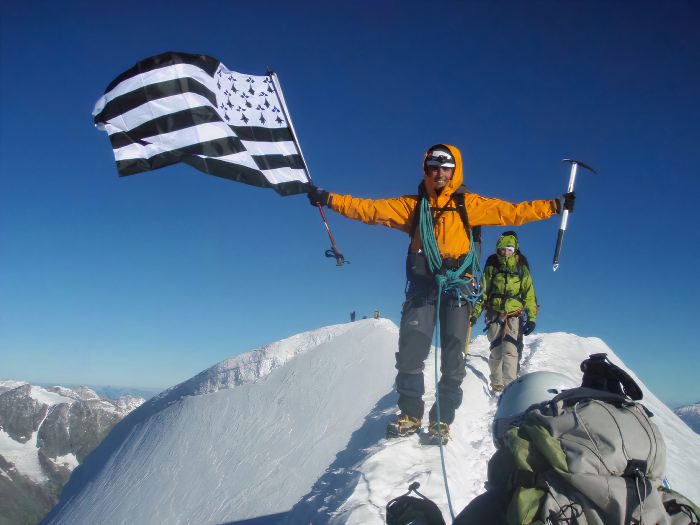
x=178, y=107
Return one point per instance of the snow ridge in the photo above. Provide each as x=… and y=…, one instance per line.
x=254, y=365
x=391, y=465
x=294, y=432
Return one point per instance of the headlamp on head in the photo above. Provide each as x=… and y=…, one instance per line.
x=440, y=159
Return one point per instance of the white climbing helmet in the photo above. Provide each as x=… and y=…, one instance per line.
x=529, y=389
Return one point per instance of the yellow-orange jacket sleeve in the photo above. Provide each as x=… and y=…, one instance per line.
x=486, y=211
x=393, y=213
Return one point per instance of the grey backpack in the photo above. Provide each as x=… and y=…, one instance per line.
x=587, y=457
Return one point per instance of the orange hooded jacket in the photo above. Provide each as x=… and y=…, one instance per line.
x=451, y=236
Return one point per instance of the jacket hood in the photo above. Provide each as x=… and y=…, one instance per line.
x=507, y=239
x=455, y=182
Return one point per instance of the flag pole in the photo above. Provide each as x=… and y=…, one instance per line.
x=333, y=252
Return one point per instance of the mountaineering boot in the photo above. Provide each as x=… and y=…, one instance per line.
x=403, y=425
x=496, y=389
x=439, y=432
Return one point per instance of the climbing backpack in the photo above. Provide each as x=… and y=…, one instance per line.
x=587, y=457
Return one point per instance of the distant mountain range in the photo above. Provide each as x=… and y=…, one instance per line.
x=690, y=414
x=114, y=392
x=45, y=432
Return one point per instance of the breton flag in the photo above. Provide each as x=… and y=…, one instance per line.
x=179, y=107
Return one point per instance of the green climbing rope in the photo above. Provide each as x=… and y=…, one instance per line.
x=449, y=279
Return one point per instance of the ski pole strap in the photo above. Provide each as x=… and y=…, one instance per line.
x=333, y=252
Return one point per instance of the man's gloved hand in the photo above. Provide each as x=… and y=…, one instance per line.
x=528, y=328
x=318, y=196
x=472, y=320
x=566, y=202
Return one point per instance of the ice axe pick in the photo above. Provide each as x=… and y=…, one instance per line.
x=565, y=213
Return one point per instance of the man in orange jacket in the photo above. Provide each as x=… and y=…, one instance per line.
x=442, y=180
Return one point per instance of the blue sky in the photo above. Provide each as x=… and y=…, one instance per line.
x=146, y=280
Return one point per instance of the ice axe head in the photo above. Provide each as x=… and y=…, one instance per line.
x=579, y=163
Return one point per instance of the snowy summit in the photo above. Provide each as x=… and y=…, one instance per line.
x=294, y=432
x=691, y=415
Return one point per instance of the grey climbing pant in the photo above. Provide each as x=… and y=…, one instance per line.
x=503, y=334
x=415, y=339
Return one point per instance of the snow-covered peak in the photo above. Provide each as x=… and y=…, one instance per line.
x=301, y=437
x=690, y=414
x=83, y=393
x=693, y=409
x=49, y=397
x=126, y=404
x=10, y=384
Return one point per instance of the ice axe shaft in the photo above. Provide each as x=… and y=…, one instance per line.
x=565, y=213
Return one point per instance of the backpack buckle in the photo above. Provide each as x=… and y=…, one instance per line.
x=636, y=468
x=529, y=480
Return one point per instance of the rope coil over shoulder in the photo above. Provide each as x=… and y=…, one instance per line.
x=449, y=279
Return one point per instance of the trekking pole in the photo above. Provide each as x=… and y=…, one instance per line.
x=565, y=213
x=333, y=252
x=469, y=336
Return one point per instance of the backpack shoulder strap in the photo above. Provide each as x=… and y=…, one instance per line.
x=574, y=395
x=522, y=262
x=491, y=260
x=472, y=232
x=459, y=199
x=416, y=215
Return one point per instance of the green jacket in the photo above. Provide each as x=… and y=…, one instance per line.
x=505, y=281
x=503, y=289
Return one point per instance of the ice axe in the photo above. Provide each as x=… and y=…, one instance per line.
x=565, y=213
